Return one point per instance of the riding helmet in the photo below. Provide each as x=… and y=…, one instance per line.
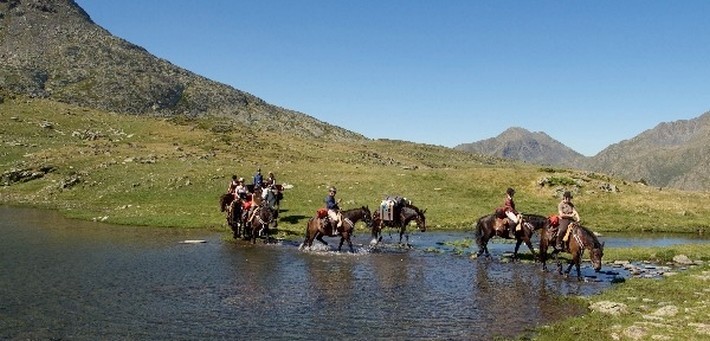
x=567, y=194
x=510, y=191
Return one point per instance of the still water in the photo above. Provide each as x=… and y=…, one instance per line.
x=66, y=279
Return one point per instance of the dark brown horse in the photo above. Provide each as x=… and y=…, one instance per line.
x=258, y=222
x=406, y=214
x=580, y=239
x=319, y=227
x=485, y=230
x=233, y=209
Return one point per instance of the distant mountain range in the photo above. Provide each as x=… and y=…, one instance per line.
x=521, y=144
x=673, y=154
x=52, y=49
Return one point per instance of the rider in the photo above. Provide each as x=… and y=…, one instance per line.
x=270, y=180
x=333, y=209
x=568, y=214
x=258, y=179
x=510, y=212
x=241, y=191
x=232, y=185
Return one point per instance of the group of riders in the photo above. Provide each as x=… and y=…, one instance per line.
x=249, y=197
x=509, y=220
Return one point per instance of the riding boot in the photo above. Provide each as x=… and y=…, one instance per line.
x=558, y=242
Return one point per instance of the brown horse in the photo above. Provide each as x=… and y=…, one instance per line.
x=233, y=209
x=259, y=222
x=485, y=230
x=580, y=239
x=319, y=227
x=406, y=214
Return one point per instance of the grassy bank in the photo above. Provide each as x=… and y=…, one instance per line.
x=672, y=308
x=170, y=173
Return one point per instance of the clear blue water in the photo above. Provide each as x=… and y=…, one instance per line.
x=66, y=279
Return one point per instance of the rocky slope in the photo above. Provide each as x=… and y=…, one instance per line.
x=673, y=154
x=52, y=49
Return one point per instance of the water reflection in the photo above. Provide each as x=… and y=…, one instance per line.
x=81, y=280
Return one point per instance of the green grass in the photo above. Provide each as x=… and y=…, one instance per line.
x=683, y=295
x=684, y=292
x=194, y=159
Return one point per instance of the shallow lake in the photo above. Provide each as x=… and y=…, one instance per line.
x=67, y=279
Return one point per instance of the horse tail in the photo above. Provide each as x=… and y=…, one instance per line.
x=222, y=202
x=478, y=233
x=308, y=227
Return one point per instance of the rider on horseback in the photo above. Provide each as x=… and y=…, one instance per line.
x=241, y=191
x=258, y=179
x=233, y=185
x=511, y=213
x=567, y=215
x=333, y=209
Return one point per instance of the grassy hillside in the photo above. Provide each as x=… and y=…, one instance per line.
x=170, y=173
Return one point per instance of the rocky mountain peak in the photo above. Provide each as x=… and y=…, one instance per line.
x=52, y=49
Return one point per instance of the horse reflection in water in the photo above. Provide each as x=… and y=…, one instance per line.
x=407, y=214
x=319, y=227
x=485, y=230
x=580, y=239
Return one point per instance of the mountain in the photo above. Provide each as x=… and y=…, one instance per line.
x=521, y=144
x=673, y=154
x=52, y=49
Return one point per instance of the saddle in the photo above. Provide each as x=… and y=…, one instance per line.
x=324, y=223
x=501, y=224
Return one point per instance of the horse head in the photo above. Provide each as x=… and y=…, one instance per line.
x=420, y=219
x=596, y=249
x=367, y=216
x=596, y=255
x=224, y=201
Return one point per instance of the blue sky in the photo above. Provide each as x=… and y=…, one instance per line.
x=587, y=73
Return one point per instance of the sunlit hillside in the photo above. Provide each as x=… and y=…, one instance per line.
x=170, y=172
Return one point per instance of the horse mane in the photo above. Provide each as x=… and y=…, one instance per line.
x=484, y=217
x=353, y=210
x=415, y=208
x=536, y=219
x=591, y=235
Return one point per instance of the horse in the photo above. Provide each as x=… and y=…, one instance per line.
x=267, y=197
x=485, y=230
x=258, y=221
x=580, y=239
x=233, y=209
x=406, y=214
x=316, y=229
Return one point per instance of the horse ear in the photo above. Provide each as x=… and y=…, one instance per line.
x=424, y=210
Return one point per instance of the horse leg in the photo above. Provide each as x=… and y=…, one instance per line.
x=576, y=262
x=350, y=244
x=543, y=250
x=529, y=244
x=342, y=240
x=482, y=242
x=319, y=237
x=555, y=254
x=518, y=241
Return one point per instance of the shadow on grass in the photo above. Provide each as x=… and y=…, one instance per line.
x=293, y=219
